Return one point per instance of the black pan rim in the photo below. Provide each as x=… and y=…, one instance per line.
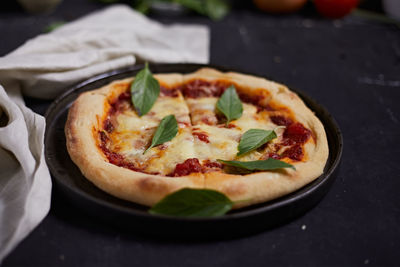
x=238, y=214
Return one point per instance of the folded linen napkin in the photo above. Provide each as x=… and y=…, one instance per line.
x=42, y=68
x=97, y=43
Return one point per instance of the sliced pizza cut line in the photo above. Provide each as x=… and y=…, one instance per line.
x=197, y=111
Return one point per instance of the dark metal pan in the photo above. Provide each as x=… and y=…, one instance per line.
x=69, y=180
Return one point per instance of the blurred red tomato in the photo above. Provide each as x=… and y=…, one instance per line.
x=279, y=6
x=335, y=8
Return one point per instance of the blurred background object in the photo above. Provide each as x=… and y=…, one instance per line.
x=335, y=8
x=392, y=8
x=279, y=6
x=218, y=9
x=39, y=6
x=214, y=9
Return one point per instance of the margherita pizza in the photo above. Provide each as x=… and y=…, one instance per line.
x=111, y=142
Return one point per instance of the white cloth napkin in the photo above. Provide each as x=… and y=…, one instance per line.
x=42, y=68
x=25, y=184
x=105, y=40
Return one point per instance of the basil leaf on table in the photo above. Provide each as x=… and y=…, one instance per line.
x=258, y=165
x=54, y=25
x=195, y=5
x=145, y=90
x=108, y=1
x=253, y=139
x=190, y=202
x=216, y=9
x=143, y=6
x=230, y=105
x=166, y=130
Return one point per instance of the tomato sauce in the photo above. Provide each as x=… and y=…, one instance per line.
x=108, y=126
x=201, y=136
x=119, y=106
x=274, y=156
x=266, y=107
x=295, y=152
x=212, y=164
x=187, y=167
x=294, y=136
x=251, y=99
x=281, y=120
x=103, y=138
x=201, y=88
x=193, y=165
x=124, y=96
x=174, y=92
x=296, y=133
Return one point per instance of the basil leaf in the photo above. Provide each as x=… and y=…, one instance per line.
x=166, y=130
x=54, y=25
x=259, y=165
x=229, y=104
x=195, y=5
x=253, y=139
x=216, y=9
x=145, y=90
x=108, y=1
x=143, y=6
x=190, y=202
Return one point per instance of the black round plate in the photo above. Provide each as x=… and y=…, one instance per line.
x=85, y=195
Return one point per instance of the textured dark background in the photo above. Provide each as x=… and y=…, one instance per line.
x=351, y=66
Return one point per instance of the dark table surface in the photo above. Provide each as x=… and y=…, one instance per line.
x=351, y=66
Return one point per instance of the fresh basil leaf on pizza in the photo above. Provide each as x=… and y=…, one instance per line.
x=167, y=130
x=253, y=139
x=230, y=105
x=259, y=165
x=144, y=91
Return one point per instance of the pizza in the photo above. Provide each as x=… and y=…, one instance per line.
x=110, y=142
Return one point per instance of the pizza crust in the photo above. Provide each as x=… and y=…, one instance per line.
x=88, y=112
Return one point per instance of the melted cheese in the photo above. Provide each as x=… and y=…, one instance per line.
x=222, y=144
x=133, y=134
x=178, y=150
x=202, y=110
x=251, y=120
x=164, y=106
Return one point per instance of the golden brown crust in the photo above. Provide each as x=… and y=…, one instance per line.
x=88, y=113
